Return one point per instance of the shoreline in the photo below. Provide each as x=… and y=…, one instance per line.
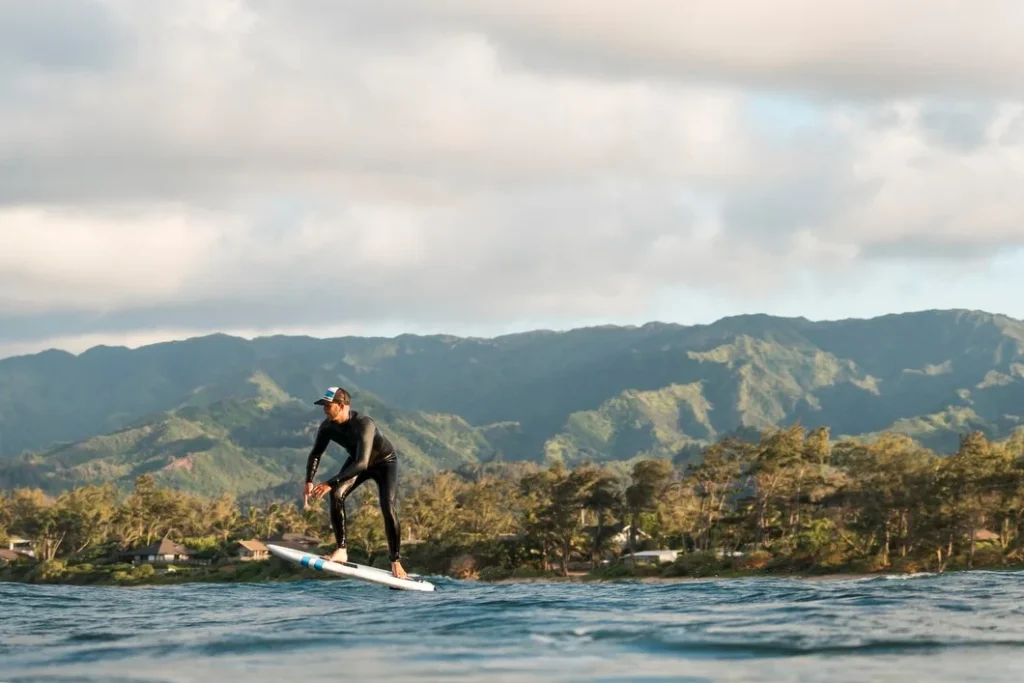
x=103, y=572
x=508, y=581
x=180, y=576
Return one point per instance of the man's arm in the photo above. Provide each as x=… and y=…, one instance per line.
x=362, y=459
x=319, y=446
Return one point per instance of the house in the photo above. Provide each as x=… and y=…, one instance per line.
x=248, y=551
x=651, y=557
x=164, y=552
x=294, y=541
x=986, y=536
x=21, y=545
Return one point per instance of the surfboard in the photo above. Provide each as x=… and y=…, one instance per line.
x=351, y=570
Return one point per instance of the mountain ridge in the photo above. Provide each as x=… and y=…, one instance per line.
x=606, y=392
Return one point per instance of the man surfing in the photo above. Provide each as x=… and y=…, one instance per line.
x=370, y=456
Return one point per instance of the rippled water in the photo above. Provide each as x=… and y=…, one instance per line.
x=952, y=627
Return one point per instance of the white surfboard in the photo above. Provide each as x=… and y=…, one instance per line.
x=351, y=570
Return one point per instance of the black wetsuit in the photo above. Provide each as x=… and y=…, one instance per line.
x=371, y=456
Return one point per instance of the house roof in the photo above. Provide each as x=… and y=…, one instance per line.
x=9, y=555
x=165, y=547
x=253, y=546
x=653, y=553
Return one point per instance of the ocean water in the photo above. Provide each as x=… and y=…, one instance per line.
x=950, y=627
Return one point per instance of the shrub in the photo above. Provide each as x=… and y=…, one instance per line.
x=494, y=573
x=143, y=571
x=48, y=570
x=528, y=572
x=463, y=567
x=867, y=565
x=616, y=571
x=696, y=564
x=754, y=561
x=832, y=559
x=906, y=565
x=988, y=556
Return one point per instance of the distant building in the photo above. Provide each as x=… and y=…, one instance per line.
x=21, y=545
x=164, y=552
x=248, y=551
x=650, y=557
x=984, y=535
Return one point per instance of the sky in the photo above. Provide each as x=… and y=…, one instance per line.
x=180, y=167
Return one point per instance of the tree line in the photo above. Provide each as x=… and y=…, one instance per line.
x=795, y=500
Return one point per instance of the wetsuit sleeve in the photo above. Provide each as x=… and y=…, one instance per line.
x=362, y=459
x=319, y=446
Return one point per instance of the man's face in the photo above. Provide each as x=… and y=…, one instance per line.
x=335, y=411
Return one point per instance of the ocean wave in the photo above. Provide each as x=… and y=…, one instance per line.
x=524, y=632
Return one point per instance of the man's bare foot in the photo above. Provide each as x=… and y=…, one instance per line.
x=339, y=555
x=398, y=571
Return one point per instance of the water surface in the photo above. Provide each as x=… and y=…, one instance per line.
x=951, y=627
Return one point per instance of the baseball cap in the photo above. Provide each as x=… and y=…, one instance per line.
x=328, y=396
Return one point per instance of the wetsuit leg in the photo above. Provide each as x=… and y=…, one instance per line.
x=338, y=496
x=386, y=476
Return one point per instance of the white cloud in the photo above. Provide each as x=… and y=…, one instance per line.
x=54, y=260
x=864, y=48
x=216, y=165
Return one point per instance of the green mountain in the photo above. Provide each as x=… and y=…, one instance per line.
x=636, y=424
x=241, y=446
x=230, y=414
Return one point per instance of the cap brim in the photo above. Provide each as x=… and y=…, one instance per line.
x=321, y=402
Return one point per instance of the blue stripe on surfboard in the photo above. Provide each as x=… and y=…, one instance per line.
x=319, y=564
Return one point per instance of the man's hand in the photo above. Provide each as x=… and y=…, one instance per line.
x=319, y=490
x=306, y=490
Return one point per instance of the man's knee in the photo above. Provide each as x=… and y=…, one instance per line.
x=341, y=490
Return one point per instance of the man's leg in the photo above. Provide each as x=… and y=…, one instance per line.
x=386, y=476
x=337, y=507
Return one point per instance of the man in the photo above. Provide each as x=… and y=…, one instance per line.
x=371, y=456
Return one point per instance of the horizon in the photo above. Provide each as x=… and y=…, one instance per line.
x=524, y=331
x=444, y=167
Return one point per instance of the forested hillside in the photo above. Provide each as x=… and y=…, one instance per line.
x=222, y=414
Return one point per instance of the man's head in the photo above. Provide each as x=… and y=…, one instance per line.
x=336, y=402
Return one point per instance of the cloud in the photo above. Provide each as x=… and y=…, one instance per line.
x=224, y=165
x=869, y=49
x=86, y=37
x=961, y=126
